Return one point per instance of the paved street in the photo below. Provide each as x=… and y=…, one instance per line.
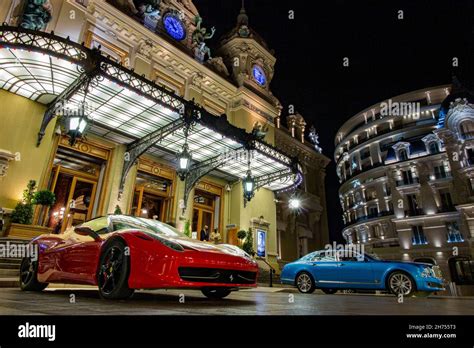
x=261, y=301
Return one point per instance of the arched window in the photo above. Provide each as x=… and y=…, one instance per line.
x=433, y=147
x=402, y=155
x=466, y=128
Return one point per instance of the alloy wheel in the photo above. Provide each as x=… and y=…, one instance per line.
x=304, y=282
x=27, y=270
x=110, y=269
x=401, y=284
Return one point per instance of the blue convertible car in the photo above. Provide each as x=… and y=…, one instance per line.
x=331, y=271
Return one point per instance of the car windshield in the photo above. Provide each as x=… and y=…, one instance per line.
x=309, y=256
x=99, y=225
x=162, y=228
x=111, y=223
x=373, y=257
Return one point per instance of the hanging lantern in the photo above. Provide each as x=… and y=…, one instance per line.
x=249, y=186
x=76, y=125
x=184, y=162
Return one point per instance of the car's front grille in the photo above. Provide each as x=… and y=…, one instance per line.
x=216, y=275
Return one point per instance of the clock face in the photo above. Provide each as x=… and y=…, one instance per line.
x=174, y=27
x=259, y=75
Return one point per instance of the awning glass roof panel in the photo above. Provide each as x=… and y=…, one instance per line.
x=32, y=74
x=123, y=106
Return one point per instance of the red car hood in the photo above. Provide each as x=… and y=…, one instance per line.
x=207, y=247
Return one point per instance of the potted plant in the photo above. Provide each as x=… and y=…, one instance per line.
x=187, y=228
x=248, y=243
x=118, y=210
x=241, y=236
x=22, y=216
x=45, y=199
x=23, y=212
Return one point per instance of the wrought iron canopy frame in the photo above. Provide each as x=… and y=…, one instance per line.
x=92, y=67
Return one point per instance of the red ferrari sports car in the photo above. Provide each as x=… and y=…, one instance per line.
x=121, y=253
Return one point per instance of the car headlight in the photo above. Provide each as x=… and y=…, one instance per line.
x=238, y=251
x=427, y=272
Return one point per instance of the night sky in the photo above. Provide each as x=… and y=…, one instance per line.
x=387, y=56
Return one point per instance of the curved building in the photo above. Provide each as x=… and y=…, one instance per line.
x=406, y=170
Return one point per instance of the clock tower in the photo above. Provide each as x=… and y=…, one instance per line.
x=248, y=57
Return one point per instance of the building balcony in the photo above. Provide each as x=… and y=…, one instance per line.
x=467, y=135
x=447, y=209
x=440, y=176
x=411, y=181
x=414, y=212
x=358, y=171
x=369, y=217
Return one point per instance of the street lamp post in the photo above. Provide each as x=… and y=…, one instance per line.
x=295, y=204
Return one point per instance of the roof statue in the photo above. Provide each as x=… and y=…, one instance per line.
x=37, y=14
x=314, y=137
x=200, y=35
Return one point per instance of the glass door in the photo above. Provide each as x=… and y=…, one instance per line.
x=81, y=198
x=201, y=219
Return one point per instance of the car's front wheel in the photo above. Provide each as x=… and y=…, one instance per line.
x=305, y=283
x=215, y=293
x=28, y=276
x=400, y=283
x=114, y=267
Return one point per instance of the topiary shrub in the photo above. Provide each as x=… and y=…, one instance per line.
x=187, y=228
x=241, y=235
x=22, y=214
x=248, y=243
x=44, y=197
x=118, y=210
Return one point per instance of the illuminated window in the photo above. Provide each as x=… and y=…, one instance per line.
x=418, y=237
x=454, y=235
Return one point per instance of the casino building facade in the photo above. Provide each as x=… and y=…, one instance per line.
x=121, y=106
x=406, y=167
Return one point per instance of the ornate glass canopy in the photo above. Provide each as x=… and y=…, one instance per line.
x=129, y=109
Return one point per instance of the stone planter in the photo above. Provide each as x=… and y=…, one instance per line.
x=27, y=232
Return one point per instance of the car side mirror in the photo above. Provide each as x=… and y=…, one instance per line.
x=87, y=231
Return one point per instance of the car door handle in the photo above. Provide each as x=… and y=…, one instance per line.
x=340, y=264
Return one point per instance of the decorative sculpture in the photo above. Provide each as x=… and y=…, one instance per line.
x=314, y=137
x=37, y=14
x=200, y=35
x=145, y=11
x=260, y=131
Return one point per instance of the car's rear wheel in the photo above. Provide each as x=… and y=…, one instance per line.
x=29, y=276
x=114, y=268
x=305, y=283
x=215, y=293
x=329, y=291
x=400, y=283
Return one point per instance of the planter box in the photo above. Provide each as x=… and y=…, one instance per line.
x=27, y=232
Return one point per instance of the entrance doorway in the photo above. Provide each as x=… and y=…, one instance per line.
x=152, y=197
x=74, y=181
x=203, y=212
